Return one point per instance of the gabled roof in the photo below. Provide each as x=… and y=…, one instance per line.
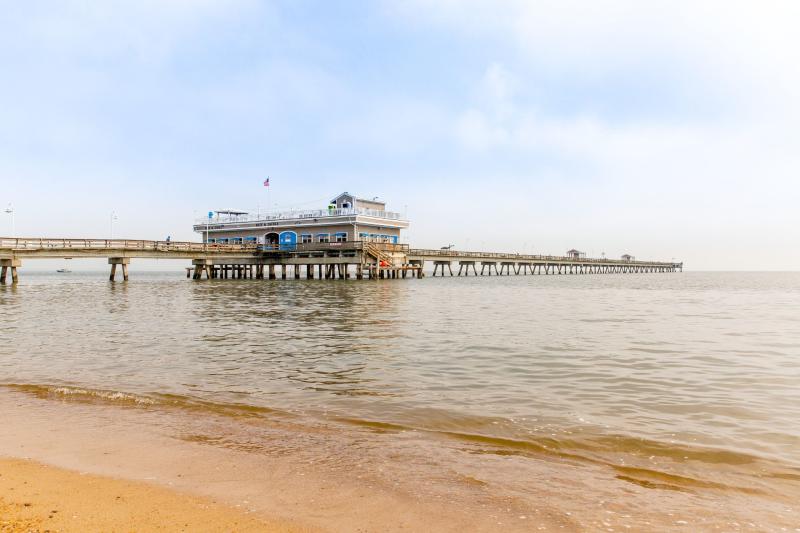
x=343, y=194
x=354, y=197
x=574, y=251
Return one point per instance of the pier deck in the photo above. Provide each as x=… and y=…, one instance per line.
x=309, y=261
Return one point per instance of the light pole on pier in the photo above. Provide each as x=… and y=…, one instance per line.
x=10, y=211
x=113, y=218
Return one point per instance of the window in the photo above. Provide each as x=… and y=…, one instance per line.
x=323, y=237
x=306, y=238
x=363, y=236
x=212, y=240
x=341, y=236
x=222, y=241
x=236, y=240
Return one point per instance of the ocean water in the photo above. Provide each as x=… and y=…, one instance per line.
x=687, y=377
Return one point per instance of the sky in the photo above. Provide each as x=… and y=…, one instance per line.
x=664, y=129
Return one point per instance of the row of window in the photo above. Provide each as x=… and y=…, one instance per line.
x=233, y=240
x=307, y=238
x=374, y=237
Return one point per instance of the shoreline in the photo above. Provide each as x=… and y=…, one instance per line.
x=297, y=477
x=319, y=477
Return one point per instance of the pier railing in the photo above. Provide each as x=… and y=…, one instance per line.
x=148, y=248
x=294, y=215
x=469, y=256
x=28, y=244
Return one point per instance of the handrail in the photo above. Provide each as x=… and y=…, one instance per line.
x=378, y=253
x=379, y=250
x=529, y=257
x=30, y=244
x=299, y=214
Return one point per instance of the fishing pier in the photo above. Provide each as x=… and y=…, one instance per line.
x=331, y=260
x=352, y=238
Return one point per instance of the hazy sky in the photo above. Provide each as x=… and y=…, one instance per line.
x=660, y=128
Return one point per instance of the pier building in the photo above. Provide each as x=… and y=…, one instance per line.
x=347, y=218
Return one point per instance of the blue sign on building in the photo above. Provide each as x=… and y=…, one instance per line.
x=287, y=240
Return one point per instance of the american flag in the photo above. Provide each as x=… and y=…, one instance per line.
x=266, y=182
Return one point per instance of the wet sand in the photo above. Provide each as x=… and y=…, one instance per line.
x=293, y=472
x=36, y=497
x=285, y=473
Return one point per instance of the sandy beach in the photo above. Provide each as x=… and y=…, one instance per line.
x=118, y=465
x=283, y=474
x=35, y=498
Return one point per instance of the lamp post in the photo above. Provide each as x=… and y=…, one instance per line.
x=113, y=218
x=10, y=211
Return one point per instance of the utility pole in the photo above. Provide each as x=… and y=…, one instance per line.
x=113, y=218
x=10, y=211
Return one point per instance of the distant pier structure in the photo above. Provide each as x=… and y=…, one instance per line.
x=351, y=238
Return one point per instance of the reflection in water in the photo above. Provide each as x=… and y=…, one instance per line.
x=660, y=376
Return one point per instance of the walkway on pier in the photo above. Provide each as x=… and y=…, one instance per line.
x=331, y=260
x=508, y=263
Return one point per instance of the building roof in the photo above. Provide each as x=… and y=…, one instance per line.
x=339, y=196
x=229, y=212
x=574, y=251
x=372, y=200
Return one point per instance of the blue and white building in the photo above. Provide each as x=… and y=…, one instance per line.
x=347, y=218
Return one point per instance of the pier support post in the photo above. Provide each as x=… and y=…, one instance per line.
x=200, y=266
x=114, y=261
x=12, y=265
x=420, y=264
x=489, y=264
x=442, y=265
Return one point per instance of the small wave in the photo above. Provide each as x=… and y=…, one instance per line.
x=606, y=451
x=83, y=394
x=127, y=399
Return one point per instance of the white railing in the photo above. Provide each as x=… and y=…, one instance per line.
x=514, y=257
x=298, y=214
x=13, y=244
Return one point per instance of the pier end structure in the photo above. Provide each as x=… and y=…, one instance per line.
x=347, y=218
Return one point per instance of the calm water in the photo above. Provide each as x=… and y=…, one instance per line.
x=700, y=366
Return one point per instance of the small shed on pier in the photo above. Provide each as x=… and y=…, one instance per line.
x=576, y=254
x=627, y=257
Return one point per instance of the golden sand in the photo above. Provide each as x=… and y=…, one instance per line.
x=39, y=498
